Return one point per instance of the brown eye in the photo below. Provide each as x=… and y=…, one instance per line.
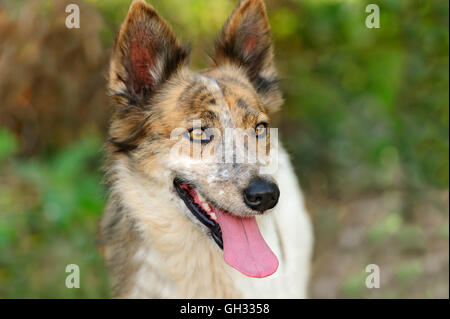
x=261, y=130
x=199, y=135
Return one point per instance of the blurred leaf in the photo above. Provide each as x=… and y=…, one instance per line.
x=354, y=285
x=408, y=271
x=8, y=144
x=382, y=230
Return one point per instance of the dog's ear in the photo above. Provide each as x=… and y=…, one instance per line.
x=245, y=41
x=146, y=53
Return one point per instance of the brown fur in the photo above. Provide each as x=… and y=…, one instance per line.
x=145, y=232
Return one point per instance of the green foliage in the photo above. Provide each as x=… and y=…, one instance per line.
x=389, y=226
x=49, y=210
x=366, y=110
x=8, y=144
x=408, y=271
x=356, y=94
x=355, y=285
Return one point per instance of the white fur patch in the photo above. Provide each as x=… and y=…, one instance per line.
x=295, y=230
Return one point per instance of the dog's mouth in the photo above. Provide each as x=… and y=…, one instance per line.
x=201, y=209
x=239, y=237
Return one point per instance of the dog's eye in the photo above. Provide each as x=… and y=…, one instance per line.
x=199, y=135
x=261, y=130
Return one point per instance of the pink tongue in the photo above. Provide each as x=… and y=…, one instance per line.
x=244, y=248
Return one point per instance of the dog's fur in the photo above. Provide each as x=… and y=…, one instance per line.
x=152, y=244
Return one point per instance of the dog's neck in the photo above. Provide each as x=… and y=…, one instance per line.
x=152, y=249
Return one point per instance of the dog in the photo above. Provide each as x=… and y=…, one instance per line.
x=176, y=226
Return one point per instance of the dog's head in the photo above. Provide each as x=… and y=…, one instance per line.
x=193, y=127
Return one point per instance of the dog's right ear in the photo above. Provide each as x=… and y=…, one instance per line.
x=146, y=53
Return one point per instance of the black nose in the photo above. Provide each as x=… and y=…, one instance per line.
x=261, y=195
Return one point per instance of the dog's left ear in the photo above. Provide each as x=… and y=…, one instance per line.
x=245, y=41
x=145, y=55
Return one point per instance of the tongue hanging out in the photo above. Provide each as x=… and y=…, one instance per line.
x=244, y=247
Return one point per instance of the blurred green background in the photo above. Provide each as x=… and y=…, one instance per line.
x=366, y=121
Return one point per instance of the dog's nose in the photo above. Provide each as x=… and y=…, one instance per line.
x=261, y=195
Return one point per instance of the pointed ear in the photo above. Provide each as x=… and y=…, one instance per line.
x=245, y=41
x=146, y=54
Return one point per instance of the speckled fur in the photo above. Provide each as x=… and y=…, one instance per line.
x=152, y=244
